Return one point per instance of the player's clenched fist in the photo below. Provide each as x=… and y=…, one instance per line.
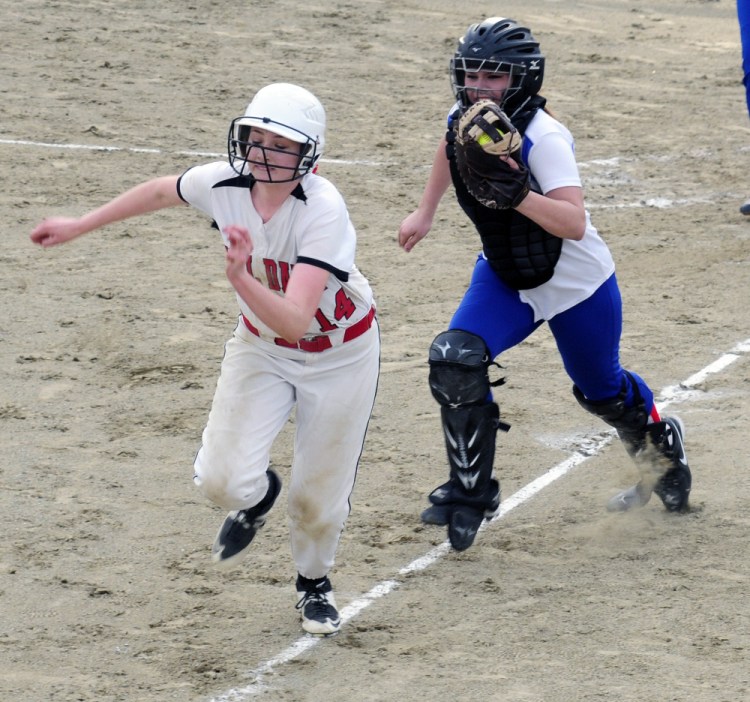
x=56, y=230
x=239, y=250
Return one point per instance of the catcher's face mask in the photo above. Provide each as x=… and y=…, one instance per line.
x=499, y=44
x=479, y=79
x=486, y=85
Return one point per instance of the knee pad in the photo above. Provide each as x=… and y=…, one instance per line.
x=458, y=369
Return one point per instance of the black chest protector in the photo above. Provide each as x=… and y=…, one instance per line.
x=522, y=253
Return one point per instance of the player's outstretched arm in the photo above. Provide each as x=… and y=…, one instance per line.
x=152, y=195
x=415, y=226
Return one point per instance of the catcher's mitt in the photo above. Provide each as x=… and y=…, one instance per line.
x=485, y=137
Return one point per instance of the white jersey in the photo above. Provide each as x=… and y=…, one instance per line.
x=328, y=379
x=312, y=226
x=549, y=152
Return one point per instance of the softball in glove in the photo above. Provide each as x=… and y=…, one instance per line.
x=485, y=138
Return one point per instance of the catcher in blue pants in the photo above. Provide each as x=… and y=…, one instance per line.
x=587, y=335
x=512, y=166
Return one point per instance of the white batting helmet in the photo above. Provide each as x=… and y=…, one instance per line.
x=289, y=111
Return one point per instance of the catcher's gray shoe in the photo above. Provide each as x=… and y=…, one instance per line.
x=317, y=606
x=672, y=486
x=240, y=527
x=632, y=498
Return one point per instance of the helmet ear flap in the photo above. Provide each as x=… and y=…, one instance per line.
x=237, y=146
x=309, y=156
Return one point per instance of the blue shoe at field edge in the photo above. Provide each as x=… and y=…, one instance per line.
x=745, y=209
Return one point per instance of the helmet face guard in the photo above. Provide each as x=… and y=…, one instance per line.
x=239, y=144
x=460, y=67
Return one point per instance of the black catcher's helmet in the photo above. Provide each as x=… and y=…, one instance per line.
x=499, y=45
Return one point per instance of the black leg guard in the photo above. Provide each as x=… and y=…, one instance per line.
x=460, y=383
x=657, y=448
x=471, y=494
x=470, y=442
x=629, y=422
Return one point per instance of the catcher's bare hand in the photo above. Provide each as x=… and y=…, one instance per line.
x=413, y=229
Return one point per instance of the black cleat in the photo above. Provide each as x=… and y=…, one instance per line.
x=673, y=488
x=464, y=525
x=240, y=527
x=317, y=606
x=461, y=512
x=673, y=485
x=437, y=515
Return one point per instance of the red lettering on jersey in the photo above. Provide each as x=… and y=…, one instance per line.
x=271, y=274
x=344, y=306
x=277, y=273
x=325, y=324
x=249, y=265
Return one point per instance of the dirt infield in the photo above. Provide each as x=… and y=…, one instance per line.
x=111, y=347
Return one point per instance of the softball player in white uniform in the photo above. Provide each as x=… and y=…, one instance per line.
x=306, y=341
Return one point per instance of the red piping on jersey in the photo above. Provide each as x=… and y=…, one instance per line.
x=322, y=342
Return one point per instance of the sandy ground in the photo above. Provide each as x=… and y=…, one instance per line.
x=110, y=348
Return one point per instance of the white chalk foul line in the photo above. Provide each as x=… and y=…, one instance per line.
x=136, y=150
x=594, y=444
